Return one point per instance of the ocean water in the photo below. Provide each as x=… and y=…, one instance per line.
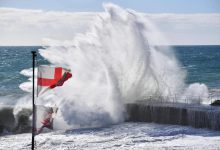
x=13, y=60
x=202, y=64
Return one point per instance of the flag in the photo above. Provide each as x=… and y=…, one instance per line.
x=49, y=77
x=44, y=117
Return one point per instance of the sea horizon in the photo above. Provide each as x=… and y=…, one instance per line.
x=153, y=45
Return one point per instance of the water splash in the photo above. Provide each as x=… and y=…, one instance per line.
x=116, y=62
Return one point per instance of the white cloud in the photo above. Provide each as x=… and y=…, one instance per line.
x=189, y=28
x=29, y=27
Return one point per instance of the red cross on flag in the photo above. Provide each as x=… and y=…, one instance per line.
x=49, y=77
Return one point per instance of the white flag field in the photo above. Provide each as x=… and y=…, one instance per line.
x=44, y=117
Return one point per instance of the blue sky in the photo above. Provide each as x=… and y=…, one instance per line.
x=147, y=6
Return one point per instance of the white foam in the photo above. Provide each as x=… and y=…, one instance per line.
x=119, y=137
x=197, y=93
x=27, y=72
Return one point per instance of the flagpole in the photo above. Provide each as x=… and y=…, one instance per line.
x=33, y=119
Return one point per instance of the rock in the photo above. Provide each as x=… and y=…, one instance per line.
x=215, y=103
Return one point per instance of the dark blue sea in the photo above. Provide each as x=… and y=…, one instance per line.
x=202, y=64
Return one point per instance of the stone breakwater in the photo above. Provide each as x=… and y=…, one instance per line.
x=195, y=115
x=198, y=116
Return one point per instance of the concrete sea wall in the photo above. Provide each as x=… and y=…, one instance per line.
x=198, y=116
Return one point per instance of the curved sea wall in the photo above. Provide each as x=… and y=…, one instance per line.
x=11, y=124
x=198, y=116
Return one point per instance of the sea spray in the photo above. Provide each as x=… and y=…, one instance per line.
x=116, y=62
x=196, y=93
